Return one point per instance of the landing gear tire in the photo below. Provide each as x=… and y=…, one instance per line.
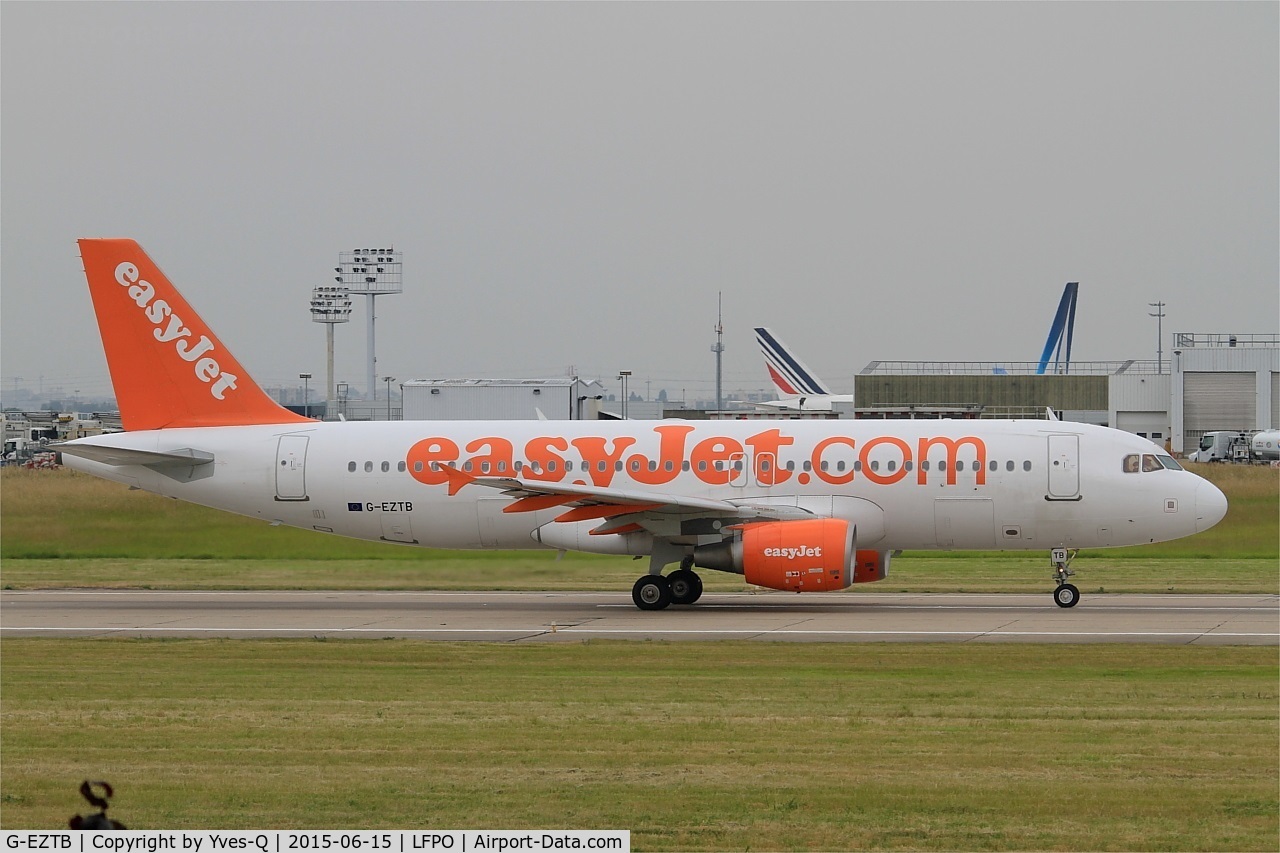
x=686, y=586
x=1066, y=595
x=652, y=592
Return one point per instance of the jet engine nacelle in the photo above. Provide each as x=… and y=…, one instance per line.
x=802, y=556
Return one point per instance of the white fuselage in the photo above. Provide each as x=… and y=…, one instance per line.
x=987, y=484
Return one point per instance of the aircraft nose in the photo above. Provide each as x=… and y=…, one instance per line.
x=1211, y=505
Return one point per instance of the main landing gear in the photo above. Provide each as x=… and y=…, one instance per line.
x=655, y=592
x=1066, y=595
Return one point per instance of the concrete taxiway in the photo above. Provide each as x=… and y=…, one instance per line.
x=575, y=616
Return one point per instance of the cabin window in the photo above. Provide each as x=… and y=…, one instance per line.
x=993, y=465
x=386, y=466
x=351, y=466
x=400, y=467
x=702, y=464
x=635, y=465
x=924, y=464
x=764, y=465
x=825, y=466
x=669, y=465
x=684, y=466
x=875, y=465
x=1008, y=466
x=617, y=466
x=891, y=464
x=840, y=465
x=368, y=467
x=551, y=465
x=791, y=465
x=518, y=466
x=502, y=466
x=417, y=467
x=653, y=465
x=1150, y=463
x=942, y=465
x=466, y=466
x=808, y=466
x=1026, y=465
x=484, y=467
x=857, y=464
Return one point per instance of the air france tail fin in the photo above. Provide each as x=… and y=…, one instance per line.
x=168, y=368
x=791, y=376
x=1064, y=323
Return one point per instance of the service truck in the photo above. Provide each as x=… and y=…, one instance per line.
x=1236, y=446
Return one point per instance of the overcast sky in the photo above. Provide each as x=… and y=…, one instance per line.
x=572, y=184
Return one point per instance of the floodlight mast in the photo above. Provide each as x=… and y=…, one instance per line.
x=371, y=272
x=330, y=304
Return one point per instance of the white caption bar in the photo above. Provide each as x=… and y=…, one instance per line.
x=291, y=841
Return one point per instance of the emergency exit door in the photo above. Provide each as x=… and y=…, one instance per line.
x=291, y=471
x=1064, y=468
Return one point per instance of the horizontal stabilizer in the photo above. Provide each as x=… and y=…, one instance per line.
x=184, y=457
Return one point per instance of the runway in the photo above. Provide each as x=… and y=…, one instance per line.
x=523, y=617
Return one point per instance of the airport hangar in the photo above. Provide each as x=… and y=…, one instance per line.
x=1212, y=382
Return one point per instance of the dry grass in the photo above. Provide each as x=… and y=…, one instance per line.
x=1246, y=482
x=717, y=746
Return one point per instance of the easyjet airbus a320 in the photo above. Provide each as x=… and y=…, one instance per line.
x=791, y=505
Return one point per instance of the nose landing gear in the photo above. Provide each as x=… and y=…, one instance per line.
x=1066, y=594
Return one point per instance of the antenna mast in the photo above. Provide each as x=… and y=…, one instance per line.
x=1159, y=315
x=718, y=347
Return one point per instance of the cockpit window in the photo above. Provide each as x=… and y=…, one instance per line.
x=1149, y=462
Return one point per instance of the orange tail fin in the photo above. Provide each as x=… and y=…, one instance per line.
x=168, y=368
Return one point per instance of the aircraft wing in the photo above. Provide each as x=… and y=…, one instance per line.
x=591, y=502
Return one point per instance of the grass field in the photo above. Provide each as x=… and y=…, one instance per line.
x=718, y=746
x=67, y=529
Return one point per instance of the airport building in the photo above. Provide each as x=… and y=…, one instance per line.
x=567, y=399
x=988, y=390
x=1223, y=382
x=1213, y=382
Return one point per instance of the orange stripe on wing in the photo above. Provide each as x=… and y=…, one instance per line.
x=582, y=513
x=533, y=503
